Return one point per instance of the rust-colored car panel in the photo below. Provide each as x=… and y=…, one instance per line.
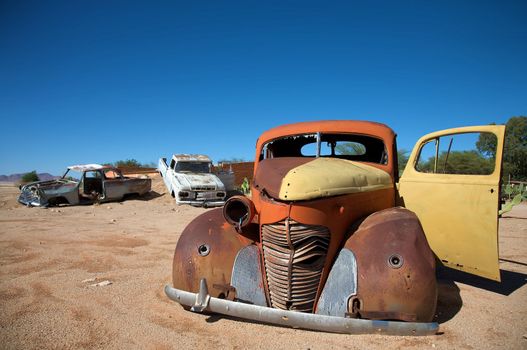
x=367, y=128
x=320, y=244
x=397, y=277
x=206, y=249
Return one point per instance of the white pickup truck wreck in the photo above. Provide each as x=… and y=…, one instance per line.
x=189, y=180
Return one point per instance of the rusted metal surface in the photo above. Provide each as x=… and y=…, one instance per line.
x=377, y=130
x=396, y=267
x=294, y=256
x=310, y=242
x=306, y=263
x=105, y=184
x=207, y=249
x=132, y=170
x=270, y=172
x=336, y=214
x=239, y=211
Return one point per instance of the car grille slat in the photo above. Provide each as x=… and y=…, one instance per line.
x=294, y=256
x=202, y=188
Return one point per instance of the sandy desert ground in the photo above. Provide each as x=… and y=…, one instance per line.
x=49, y=256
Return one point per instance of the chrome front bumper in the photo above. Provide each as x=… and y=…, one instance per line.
x=205, y=203
x=29, y=198
x=202, y=301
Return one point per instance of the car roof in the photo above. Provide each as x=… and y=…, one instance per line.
x=328, y=126
x=191, y=158
x=89, y=167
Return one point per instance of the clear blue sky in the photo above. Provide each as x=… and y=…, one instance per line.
x=99, y=81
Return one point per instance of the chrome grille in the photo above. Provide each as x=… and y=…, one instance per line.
x=203, y=188
x=294, y=256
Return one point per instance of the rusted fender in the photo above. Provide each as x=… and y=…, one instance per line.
x=396, y=268
x=207, y=249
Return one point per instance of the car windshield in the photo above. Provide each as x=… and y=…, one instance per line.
x=72, y=175
x=193, y=167
x=344, y=146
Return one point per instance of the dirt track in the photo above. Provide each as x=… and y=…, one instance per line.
x=46, y=256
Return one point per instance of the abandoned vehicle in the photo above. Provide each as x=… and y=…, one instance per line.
x=332, y=239
x=189, y=179
x=82, y=184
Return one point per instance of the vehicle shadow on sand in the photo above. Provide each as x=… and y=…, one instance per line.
x=449, y=300
x=510, y=280
x=146, y=197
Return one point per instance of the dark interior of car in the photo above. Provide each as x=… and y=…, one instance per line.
x=92, y=182
x=370, y=149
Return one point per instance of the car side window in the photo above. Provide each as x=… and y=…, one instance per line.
x=172, y=164
x=462, y=154
x=92, y=175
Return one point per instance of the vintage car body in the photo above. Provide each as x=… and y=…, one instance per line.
x=189, y=180
x=96, y=183
x=336, y=241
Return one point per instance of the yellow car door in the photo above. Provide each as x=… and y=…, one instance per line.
x=452, y=183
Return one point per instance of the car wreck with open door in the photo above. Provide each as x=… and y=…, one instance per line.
x=84, y=184
x=332, y=239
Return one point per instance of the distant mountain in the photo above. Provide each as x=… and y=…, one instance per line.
x=17, y=177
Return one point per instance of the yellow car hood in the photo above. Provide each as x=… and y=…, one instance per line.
x=292, y=179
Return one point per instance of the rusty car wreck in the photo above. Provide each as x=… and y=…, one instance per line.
x=333, y=240
x=82, y=184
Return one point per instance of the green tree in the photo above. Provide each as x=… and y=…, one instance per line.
x=402, y=159
x=245, y=187
x=132, y=163
x=30, y=177
x=350, y=148
x=515, y=149
x=460, y=162
x=486, y=144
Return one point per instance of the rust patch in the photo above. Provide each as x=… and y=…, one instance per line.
x=270, y=172
x=396, y=279
x=214, y=263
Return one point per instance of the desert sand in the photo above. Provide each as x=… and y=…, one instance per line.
x=50, y=258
